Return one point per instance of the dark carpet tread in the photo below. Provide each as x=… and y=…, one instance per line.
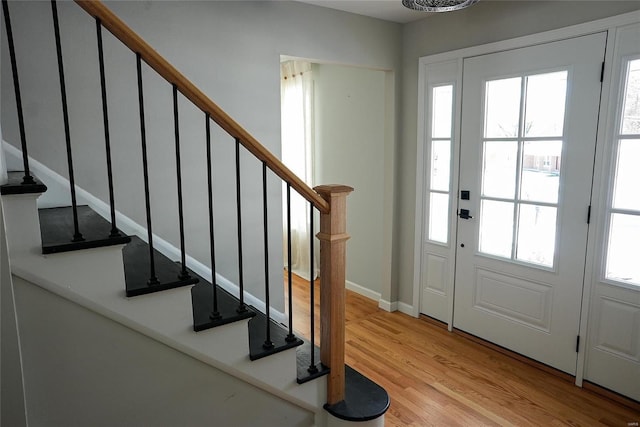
x=14, y=185
x=364, y=400
x=136, y=270
x=303, y=362
x=57, y=230
x=258, y=334
x=202, y=304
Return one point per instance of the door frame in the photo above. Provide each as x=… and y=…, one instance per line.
x=425, y=63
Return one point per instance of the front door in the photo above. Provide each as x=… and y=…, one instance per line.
x=529, y=122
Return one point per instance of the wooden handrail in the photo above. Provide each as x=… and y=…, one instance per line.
x=134, y=42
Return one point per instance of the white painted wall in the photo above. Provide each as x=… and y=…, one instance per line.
x=350, y=147
x=485, y=22
x=12, y=399
x=82, y=369
x=231, y=50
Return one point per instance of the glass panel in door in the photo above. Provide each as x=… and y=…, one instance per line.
x=521, y=165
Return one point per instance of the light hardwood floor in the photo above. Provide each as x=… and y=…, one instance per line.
x=438, y=378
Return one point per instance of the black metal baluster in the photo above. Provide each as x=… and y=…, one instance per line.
x=77, y=236
x=268, y=344
x=215, y=314
x=312, y=365
x=153, y=280
x=290, y=337
x=242, y=306
x=183, y=272
x=27, y=179
x=107, y=141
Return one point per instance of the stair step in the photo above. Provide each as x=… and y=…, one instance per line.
x=303, y=362
x=202, y=304
x=364, y=400
x=136, y=270
x=258, y=334
x=56, y=228
x=14, y=185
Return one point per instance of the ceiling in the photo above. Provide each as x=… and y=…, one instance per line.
x=389, y=10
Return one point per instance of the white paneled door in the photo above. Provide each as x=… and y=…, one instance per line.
x=528, y=133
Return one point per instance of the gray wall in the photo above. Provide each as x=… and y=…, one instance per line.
x=231, y=50
x=485, y=22
x=350, y=148
x=82, y=369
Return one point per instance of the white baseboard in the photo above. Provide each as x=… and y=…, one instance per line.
x=396, y=306
x=366, y=292
x=131, y=228
x=388, y=306
x=405, y=308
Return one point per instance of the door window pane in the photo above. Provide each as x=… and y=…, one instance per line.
x=536, y=234
x=631, y=111
x=440, y=165
x=622, y=255
x=626, y=193
x=502, y=117
x=496, y=228
x=522, y=158
x=540, y=171
x=442, y=109
x=545, y=103
x=439, y=217
x=499, y=169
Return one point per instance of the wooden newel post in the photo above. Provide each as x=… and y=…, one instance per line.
x=333, y=249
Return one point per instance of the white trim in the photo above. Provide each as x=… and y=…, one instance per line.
x=397, y=306
x=533, y=39
x=388, y=306
x=365, y=292
x=419, y=208
x=405, y=308
x=598, y=194
x=130, y=227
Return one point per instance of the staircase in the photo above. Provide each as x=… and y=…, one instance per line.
x=91, y=254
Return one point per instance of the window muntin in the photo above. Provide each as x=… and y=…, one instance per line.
x=440, y=162
x=521, y=165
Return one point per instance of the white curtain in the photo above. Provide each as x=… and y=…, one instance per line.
x=297, y=154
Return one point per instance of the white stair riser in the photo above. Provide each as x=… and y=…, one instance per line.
x=22, y=223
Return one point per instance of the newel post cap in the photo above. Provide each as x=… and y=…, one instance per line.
x=330, y=189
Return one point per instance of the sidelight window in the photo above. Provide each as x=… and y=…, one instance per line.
x=440, y=162
x=624, y=214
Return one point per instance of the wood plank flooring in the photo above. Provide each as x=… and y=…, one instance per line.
x=437, y=378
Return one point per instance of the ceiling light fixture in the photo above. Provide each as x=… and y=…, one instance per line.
x=437, y=5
